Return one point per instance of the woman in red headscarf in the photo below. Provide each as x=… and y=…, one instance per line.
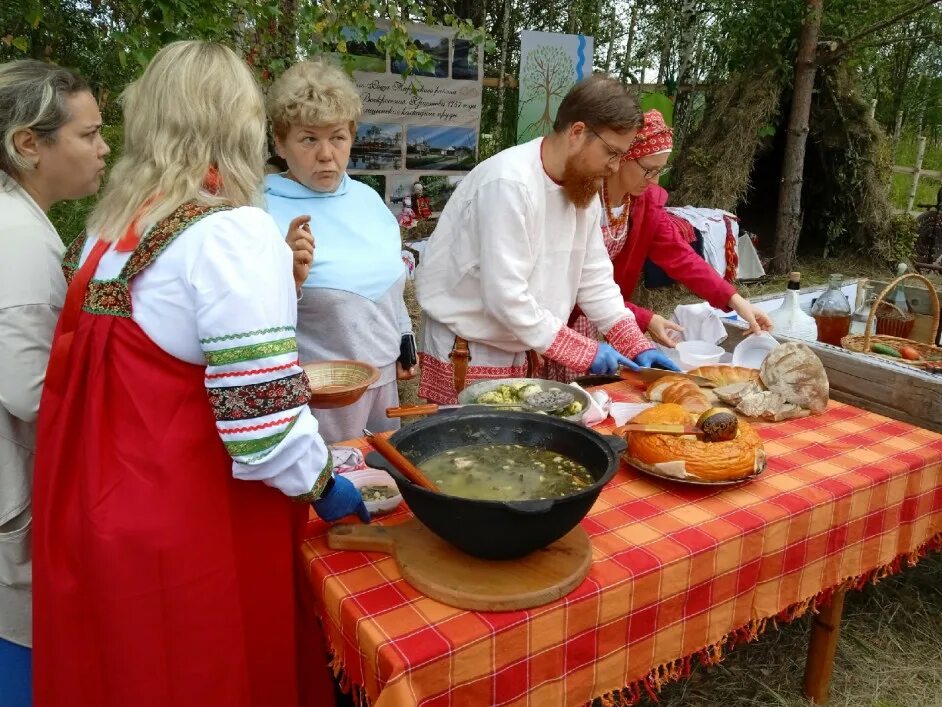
x=636, y=226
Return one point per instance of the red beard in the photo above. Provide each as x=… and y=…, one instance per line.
x=580, y=186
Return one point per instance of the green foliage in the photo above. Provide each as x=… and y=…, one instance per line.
x=925, y=192
x=110, y=41
x=898, y=241
x=908, y=146
x=330, y=26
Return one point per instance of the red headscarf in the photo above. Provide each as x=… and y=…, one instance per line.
x=653, y=139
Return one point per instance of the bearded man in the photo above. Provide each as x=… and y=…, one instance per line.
x=519, y=245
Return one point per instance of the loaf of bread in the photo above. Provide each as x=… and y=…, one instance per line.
x=726, y=375
x=687, y=457
x=794, y=371
x=681, y=391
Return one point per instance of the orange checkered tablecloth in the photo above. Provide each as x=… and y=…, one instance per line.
x=679, y=573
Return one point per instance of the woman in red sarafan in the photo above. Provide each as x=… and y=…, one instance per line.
x=176, y=452
x=636, y=226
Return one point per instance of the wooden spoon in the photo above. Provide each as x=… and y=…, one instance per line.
x=403, y=465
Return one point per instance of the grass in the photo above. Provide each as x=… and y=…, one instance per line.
x=889, y=654
x=890, y=648
x=906, y=153
x=926, y=192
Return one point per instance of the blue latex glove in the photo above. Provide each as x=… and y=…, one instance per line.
x=607, y=360
x=343, y=499
x=653, y=358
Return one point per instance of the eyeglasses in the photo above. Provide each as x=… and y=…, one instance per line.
x=654, y=172
x=614, y=156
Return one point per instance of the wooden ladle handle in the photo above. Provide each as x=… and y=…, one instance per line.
x=403, y=465
x=412, y=410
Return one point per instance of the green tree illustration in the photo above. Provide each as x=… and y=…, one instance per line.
x=546, y=76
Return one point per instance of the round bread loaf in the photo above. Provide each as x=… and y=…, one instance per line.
x=690, y=457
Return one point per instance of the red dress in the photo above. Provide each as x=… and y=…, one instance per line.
x=652, y=234
x=159, y=580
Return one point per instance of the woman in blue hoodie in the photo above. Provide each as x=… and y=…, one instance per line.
x=351, y=304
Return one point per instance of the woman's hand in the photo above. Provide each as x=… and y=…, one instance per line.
x=757, y=320
x=301, y=242
x=403, y=374
x=664, y=331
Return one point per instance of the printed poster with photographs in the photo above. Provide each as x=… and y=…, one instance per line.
x=419, y=131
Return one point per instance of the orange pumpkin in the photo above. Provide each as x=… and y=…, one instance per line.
x=688, y=456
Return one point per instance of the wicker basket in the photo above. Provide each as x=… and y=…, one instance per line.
x=861, y=343
x=336, y=384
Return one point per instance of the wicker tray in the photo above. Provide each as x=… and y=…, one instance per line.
x=337, y=384
x=861, y=343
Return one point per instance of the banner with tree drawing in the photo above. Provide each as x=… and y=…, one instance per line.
x=550, y=64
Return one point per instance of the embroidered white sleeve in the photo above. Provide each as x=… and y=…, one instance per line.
x=246, y=311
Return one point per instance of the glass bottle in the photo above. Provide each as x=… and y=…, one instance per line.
x=832, y=312
x=896, y=320
x=858, y=323
x=789, y=319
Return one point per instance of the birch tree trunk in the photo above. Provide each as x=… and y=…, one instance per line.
x=630, y=43
x=788, y=222
x=685, y=68
x=612, y=24
x=501, y=89
x=664, y=66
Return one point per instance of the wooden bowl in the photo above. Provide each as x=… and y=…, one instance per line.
x=336, y=384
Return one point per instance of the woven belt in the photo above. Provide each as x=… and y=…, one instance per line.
x=460, y=357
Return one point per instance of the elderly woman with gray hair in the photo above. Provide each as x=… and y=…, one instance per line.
x=352, y=301
x=51, y=150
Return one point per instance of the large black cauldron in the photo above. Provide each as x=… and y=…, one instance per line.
x=496, y=529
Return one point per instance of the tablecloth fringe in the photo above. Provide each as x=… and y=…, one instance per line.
x=652, y=683
x=357, y=692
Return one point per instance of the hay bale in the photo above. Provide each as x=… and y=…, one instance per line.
x=846, y=199
x=713, y=166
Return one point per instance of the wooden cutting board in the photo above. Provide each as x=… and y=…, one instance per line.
x=443, y=572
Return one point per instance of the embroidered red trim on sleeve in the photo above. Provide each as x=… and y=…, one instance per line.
x=627, y=338
x=573, y=350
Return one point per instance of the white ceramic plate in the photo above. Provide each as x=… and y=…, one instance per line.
x=752, y=350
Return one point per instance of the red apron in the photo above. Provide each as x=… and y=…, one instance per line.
x=159, y=580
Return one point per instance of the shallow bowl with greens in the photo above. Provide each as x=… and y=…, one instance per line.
x=504, y=391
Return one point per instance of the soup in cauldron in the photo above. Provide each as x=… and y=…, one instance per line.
x=505, y=472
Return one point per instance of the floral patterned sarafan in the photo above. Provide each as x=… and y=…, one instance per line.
x=253, y=380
